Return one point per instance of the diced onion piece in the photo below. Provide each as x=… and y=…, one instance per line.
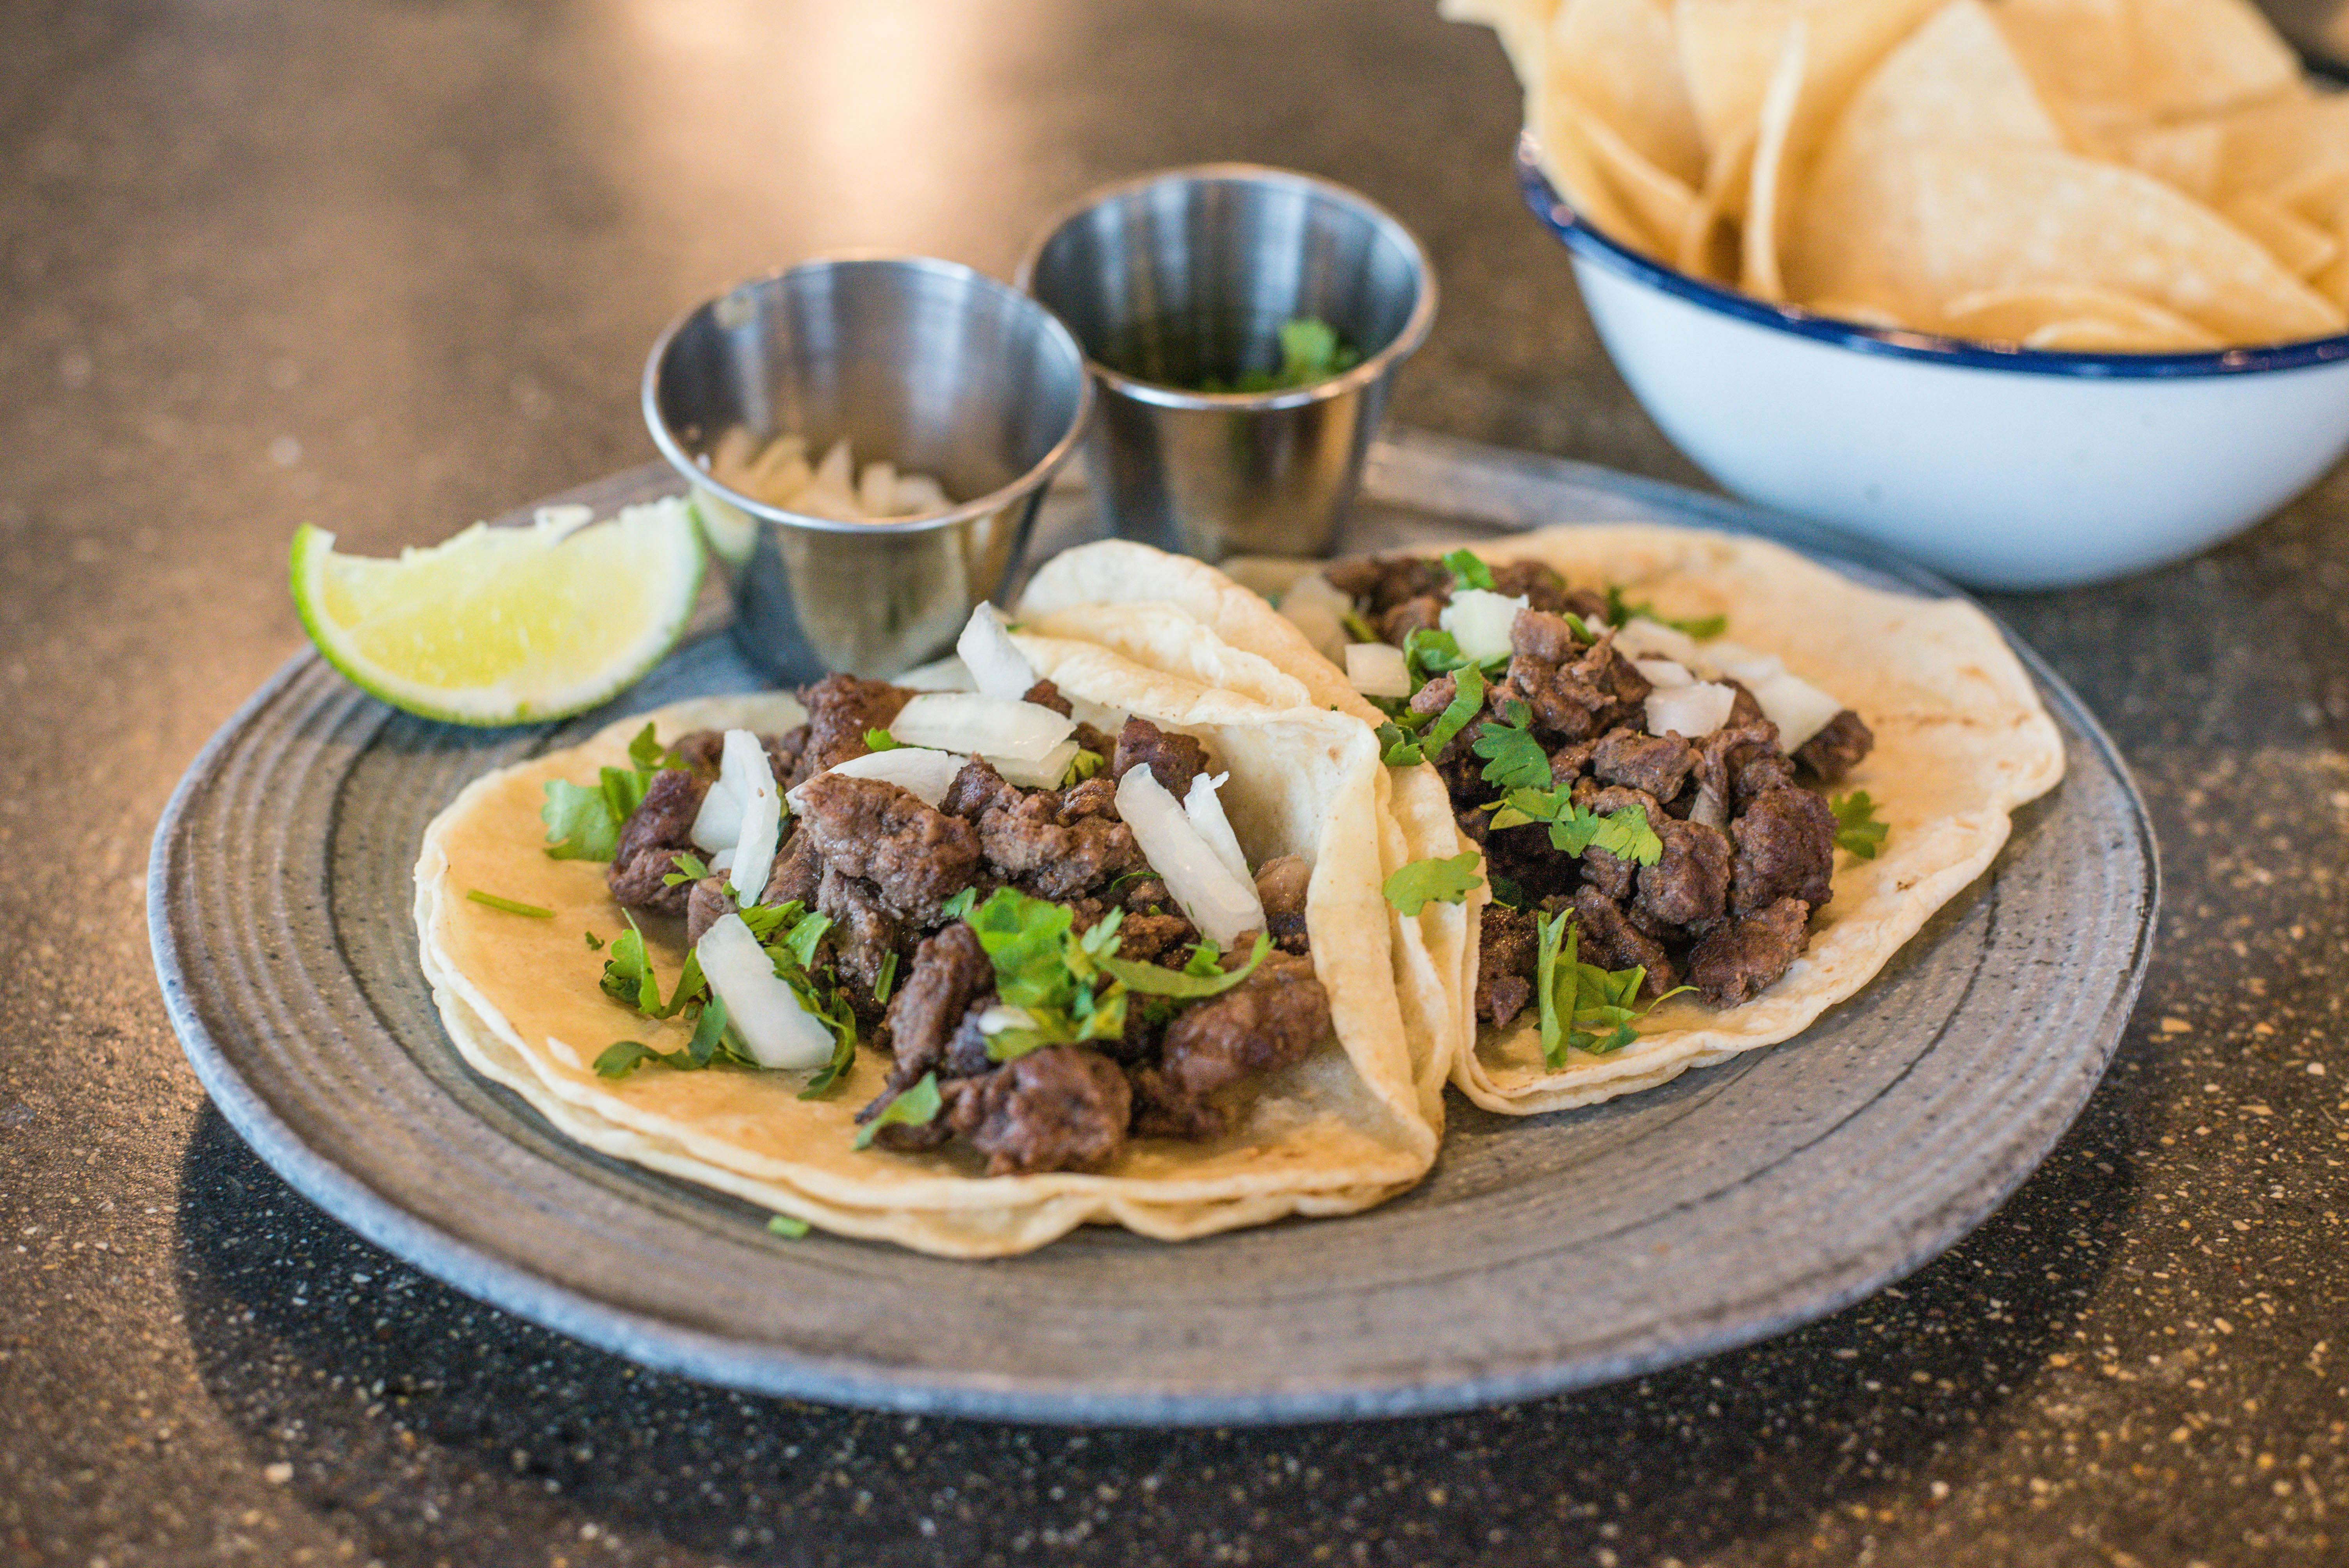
x=743, y=768
x=919, y=493
x=1692, y=710
x=1206, y=810
x=1044, y=772
x=1663, y=672
x=1480, y=620
x=1641, y=638
x=876, y=488
x=722, y=861
x=1224, y=907
x=719, y=822
x=1739, y=663
x=1000, y=668
x=1315, y=607
x=949, y=674
x=915, y=770
x=996, y=1019
x=1798, y=708
x=1377, y=669
x=990, y=725
x=760, y=1006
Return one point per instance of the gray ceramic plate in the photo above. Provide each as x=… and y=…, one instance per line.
x=1542, y=1254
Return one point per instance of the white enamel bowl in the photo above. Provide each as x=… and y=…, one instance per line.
x=2001, y=467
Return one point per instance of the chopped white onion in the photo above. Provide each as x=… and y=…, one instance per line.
x=1315, y=607
x=1206, y=810
x=719, y=822
x=1480, y=621
x=722, y=861
x=760, y=1006
x=1690, y=710
x=998, y=1018
x=1663, y=672
x=1798, y=708
x=1224, y=907
x=949, y=674
x=997, y=666
x=1739, y=663
x=1377, y=669
x=1641, y=638
x=743, y=768
x=993, y=726
x=917, y=770
x=1044, y=772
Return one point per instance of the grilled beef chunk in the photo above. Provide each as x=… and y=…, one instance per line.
x=1785, y=849
x=1053, y=845
x=650, y=840
x=799, y=871
x=1281, y=884
x=840, y=710
x=1420, y=613
x=1575, y=693
x=1389, y=580
x=1610, y=941
x=1173, y=760
x=1743, y=956
x=1059, y=1109
x=1744, y=707
x=1435, y=697
x=863, y=932
x=1689, y=883
x=1044, y=693
x=1544, y=589
x=1838, y=747
x=705, y=903
x=914, y=857
x=1657, y=764
x=1267, y=1021
x=1506, y=947
x=951, y=970
x=1156, y=938
x=1734, y=764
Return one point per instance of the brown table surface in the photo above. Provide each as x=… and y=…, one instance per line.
x=392, y=264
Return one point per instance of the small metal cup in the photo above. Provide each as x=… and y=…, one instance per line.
x=1175, y=277
x=923, y=363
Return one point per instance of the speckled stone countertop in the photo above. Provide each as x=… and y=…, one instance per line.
x=388, y=266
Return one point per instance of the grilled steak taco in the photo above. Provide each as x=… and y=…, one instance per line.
x=962, y=970
x=1714, y=785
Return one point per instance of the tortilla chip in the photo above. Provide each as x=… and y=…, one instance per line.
x=2150, y=60
x=1344, y=1130
x=1519, y=23
x=1616, y=59
x=1955, y=79
x=2190, y=156
x=2295, y=140
x=1774, y=150
x=1911, y=224
x=2304, y=249
x=1564, y=150
x=1660, y=205
x=2067, y=315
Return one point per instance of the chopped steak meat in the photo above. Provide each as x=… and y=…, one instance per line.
x=1281, y=884
x=1417, y=614
x=915, y=856
x=1268, y=1021
x=1610, y=941
x=1053, y=845
x=1657, y=764
x=1838, y=747
x=1743, y=956
x=1506, y=947
x=1059, y=1109
x=1156, y=938
x=863, y=934
x=840, y=710
x=1173, y=760
x=949, y=971
x=1387, y=581
x=799, y=871
x=1785, y=849
x=1044, y=693
x=705, y=904
x=650, y=840
x=1689, y=883
x=1573, y=695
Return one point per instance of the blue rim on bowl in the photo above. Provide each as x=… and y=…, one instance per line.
x=1587, y=242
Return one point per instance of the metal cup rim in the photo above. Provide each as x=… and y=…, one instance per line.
x=995, y=500
x=1405, y=344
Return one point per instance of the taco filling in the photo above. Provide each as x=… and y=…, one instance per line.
x=1051, y=966
x=1649, y=797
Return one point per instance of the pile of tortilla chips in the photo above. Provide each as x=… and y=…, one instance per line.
x=2092, y=175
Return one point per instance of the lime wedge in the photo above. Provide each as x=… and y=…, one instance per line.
x=505, y=625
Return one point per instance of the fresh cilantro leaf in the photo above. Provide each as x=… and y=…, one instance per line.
x=1025, y=938
x=765, y=919
x=880, y=740
x=1186, y=984
x=1619, y=611
x=1357, y=628
x=1583, y=1007
x=1467, y=701
x=594, y=943
x=1857, y=828
x=1447, y=881
x=1397, y=749
x=785, y=1225
x=579, y=825
x=709, y=1032
x=1206, y=957
x=510, y=905
x=841, y=1019
x=959, y=906
x=1430, y=652
x=917, y=1107
x=1506, y=890
x=886, y=980
x=628, y=972
x=622, y=1057
x=1514, y=759
x=1554, y=939
x=651, y=757
x=690, y=867
x=1625, y=834
x=1101, y=938
x=1082, y=766
x=1467, y=570
x=1309, y=352
x=801, y=940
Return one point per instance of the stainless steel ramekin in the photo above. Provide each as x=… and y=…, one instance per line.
x=924, y=363
x=1176, y=276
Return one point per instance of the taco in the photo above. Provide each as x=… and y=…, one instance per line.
x=1098, y=944
x=1716, y=784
